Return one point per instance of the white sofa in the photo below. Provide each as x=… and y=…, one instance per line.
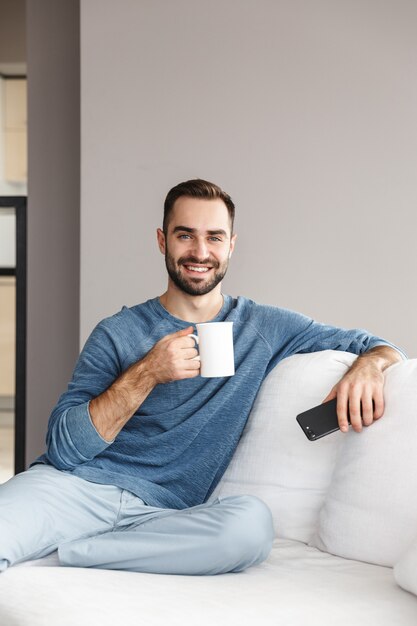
x=345, y=510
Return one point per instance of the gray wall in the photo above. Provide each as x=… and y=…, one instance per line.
x=304, y=111
x=53, y=208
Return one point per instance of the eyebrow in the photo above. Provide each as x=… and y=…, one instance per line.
x=218, y=231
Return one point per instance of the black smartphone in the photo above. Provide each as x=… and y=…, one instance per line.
x=319, y=421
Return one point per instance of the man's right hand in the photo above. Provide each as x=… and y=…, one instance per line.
x=173, y=358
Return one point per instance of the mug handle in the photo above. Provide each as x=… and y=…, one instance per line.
x=195, y=337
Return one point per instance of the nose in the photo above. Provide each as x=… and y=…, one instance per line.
x=200, y=248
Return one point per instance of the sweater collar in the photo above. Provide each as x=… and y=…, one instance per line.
x=162, y=311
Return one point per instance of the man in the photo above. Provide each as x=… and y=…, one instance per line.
x=139, y=441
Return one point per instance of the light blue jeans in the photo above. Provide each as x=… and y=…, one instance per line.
x=103, y=526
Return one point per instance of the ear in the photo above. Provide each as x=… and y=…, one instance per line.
x=161, y=240
x=232, y=245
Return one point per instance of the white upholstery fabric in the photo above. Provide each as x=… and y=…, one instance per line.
x=274, y=459
x=370, y=511
x=374, y=477
x=297, y=585
x=405, y=571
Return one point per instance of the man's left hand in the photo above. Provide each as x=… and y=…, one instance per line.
x=360, y=393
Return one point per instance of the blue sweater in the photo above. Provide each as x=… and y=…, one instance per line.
x=174, y=450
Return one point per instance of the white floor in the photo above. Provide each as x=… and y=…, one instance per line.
x=6, y=453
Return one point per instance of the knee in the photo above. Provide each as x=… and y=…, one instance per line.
x=249, y=531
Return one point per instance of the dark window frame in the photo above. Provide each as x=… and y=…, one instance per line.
x=19, y=203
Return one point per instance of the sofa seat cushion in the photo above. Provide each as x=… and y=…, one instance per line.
x=405, y=571
x=297, y=585
x=370, y=510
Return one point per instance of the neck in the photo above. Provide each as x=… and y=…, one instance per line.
x=192, y=308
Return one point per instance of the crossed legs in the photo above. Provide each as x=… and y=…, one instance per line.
x=104, y=526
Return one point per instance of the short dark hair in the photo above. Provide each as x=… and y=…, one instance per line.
x=197, y=188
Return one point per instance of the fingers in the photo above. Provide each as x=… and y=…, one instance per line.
x=342, y=408
x=174, y=357
x=181, y=338
x=184, y=353
x=354, y=406
x=189, y=353
x=360, y=403
x=379, y=404
x=187, y=350
x=367, y=409
x=181, y=342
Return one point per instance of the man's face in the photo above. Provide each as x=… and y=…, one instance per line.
x=198, y=244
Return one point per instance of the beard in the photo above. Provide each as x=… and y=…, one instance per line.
x=195, y=286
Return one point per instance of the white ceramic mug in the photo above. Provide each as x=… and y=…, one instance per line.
x=215, y=345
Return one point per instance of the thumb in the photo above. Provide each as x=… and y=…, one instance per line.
x=183, y=332
x=173, y=336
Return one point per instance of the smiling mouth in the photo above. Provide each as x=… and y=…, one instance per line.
x=200, y=269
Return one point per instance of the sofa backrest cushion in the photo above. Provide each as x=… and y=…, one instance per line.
x=274, y=459
x=370, y=510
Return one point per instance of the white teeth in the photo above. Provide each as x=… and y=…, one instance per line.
x=197, y=269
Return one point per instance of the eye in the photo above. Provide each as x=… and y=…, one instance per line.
x=215, y=239
x=184, y=237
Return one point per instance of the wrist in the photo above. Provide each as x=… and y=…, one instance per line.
x=380, y=357
x=136, y=382
x=146, y=372
x=114, y=407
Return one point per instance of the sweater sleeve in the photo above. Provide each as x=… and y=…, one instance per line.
x=288, y=332
x=71, y=437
